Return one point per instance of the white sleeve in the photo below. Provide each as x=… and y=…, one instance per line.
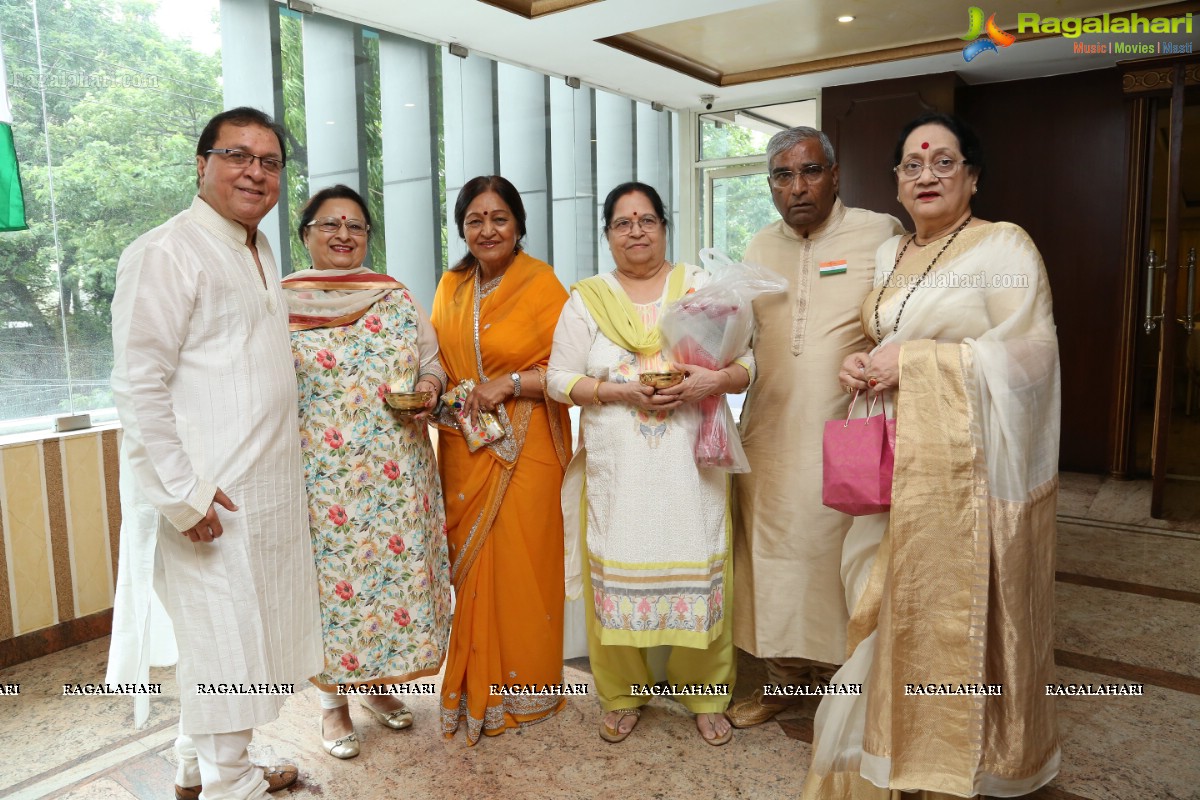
x=151, y=313
x=568, y=359
x=427, y=347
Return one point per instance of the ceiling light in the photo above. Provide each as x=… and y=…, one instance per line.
x=410, y=105
x=845, y=18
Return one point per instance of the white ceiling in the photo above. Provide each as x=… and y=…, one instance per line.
x=564, y=44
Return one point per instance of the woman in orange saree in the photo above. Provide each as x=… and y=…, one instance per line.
x=495, y=313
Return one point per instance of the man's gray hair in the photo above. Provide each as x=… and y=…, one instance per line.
x=787, y=139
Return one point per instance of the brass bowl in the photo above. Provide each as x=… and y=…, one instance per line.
x=661, y=380
x=408, y=402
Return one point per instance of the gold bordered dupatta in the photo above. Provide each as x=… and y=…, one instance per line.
x=330, y=298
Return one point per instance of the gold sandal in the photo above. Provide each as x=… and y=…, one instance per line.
x=615, y=735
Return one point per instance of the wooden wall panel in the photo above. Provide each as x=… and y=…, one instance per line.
x=59, y=521
x=1056, y=152
x=863, y=121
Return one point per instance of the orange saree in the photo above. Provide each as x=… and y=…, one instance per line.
x=504, y=523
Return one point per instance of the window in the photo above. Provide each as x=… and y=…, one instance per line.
x=105, y=124
x=733, y=170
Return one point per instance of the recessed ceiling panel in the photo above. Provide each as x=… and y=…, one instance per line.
x=531, y=9
x=792, y=37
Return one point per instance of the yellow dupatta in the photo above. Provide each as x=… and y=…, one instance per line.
x=615, y=315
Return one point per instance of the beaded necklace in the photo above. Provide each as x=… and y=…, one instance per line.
x=916, y=283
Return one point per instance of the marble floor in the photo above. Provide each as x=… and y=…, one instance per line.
x=1128, y=594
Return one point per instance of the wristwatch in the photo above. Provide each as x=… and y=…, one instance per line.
x=516, y=379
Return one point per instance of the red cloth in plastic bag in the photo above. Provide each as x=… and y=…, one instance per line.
x=709, y=328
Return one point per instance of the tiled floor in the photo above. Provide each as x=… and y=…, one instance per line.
x=1128, y=597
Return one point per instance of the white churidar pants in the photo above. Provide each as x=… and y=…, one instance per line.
x=221, y=763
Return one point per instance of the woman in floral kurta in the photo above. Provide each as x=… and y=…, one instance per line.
x=374, y=498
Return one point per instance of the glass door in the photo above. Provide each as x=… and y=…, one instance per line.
x=1167, y=393
x=738, y=204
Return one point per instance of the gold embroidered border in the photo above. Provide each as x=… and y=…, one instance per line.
x=479, y=532
x=544, y=706
x=557, y=435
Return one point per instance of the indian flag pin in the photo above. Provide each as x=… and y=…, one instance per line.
x=833, y=268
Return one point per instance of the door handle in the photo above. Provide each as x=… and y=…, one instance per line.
x=1151, y=318
x=1189, y=321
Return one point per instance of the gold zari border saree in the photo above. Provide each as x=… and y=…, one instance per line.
x=952, y=635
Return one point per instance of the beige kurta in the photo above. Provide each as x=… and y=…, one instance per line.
x=787, y=545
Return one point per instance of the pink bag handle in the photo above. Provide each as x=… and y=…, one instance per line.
x=870, y=409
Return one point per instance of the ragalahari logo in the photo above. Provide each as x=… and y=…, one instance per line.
x=995, y=36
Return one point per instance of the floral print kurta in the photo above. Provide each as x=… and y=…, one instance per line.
x=374, y=500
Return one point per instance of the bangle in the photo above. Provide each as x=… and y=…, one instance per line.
x=596, y=394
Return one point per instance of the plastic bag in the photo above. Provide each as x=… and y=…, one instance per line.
x=711, y=327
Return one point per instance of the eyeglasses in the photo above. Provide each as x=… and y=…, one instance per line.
x=809, y=173
x=242, y=160
x=354, y=227
x=624, y=227
x=942, y=167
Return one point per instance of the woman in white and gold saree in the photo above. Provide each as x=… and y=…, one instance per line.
x=951, y=634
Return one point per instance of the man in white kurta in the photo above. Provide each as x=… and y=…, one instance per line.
x=211, y=479
x=790, y=606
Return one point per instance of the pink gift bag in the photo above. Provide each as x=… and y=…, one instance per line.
x=859, y=455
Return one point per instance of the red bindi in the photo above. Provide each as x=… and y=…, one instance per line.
x=924, y=146
x=343, y=216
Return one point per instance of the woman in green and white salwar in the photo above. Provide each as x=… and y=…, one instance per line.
x=655, y=527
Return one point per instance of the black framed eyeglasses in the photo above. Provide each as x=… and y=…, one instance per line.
x=648, y=223
x=242, y=160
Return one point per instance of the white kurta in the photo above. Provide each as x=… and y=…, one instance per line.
x=205, y=389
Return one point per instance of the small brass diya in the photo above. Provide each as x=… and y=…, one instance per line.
x=408, y=402
x=661, y=380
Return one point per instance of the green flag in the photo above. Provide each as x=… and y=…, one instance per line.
x=12, y=203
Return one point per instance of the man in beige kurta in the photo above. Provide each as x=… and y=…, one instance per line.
x=791, y=607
